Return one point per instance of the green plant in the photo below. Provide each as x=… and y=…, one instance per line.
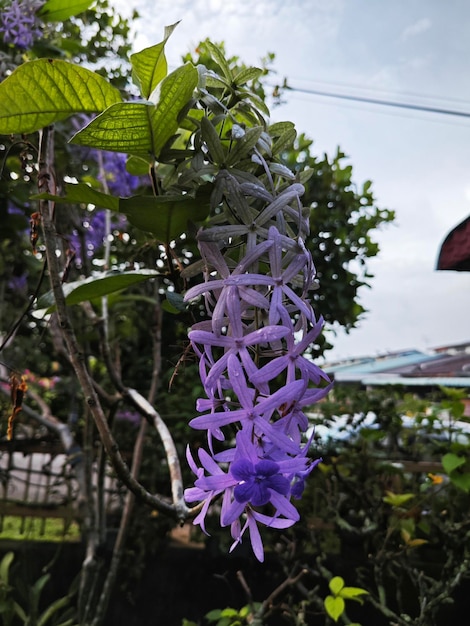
x=30, y=614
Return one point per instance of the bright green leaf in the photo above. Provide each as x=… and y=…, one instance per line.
x=60, y=10
x=44, y=91
x=96, y=287
x=176, y=91
x=334, y=606
x=352, y=593
x=149, y=66
x=81, y=193
x=336, y=584
x=123, y=127
x=141, y=128
x=451, y=462
x=397, y=499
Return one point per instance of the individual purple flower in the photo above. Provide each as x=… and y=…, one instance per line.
x=19, y=23
x=258, y=481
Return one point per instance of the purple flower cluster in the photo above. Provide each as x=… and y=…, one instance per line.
x=19, y=23
x=256, y=379
x=87, y=240
x=117, y=178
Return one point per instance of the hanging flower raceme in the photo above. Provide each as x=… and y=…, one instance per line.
x=256, y=379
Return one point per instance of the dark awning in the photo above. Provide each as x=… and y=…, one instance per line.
x=455, y=251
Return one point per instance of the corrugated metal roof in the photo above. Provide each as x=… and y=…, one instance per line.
x=410, y=368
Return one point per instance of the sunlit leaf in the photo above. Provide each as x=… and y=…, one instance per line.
x=44, y=91
x=60, y=10
x=142, y=128
x=124, y=127
x=149, y=66
x=397, y=499
x=336, y=584
x=353, y=593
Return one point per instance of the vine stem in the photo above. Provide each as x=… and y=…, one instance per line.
x=46, y=184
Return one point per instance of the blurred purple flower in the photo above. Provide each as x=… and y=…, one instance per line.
x=18, y=284
x=19, y=23
x=131, y=417
x=118, y=179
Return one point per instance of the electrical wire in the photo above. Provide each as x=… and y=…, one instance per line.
x=377, y=101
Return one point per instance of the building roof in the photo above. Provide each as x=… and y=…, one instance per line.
x=447, y=368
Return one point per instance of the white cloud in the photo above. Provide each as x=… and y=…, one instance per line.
x=419, y=27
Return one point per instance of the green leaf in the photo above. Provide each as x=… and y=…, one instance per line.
x=123, y=127
x=176, y=300
x=44, y=91
x=244, y=145
x=137, y=166
x=352, y=593
x=451, y=462
x=141, y=128
x=334, y=607
x=149, y=66
x=211, y=137
x=5, y=566
x=336, y=584
x=81, y=193
x=397, y=499
x=284, y=141
x=60, y=10
x=247, y=74
x=218, y=57
x=55, y=606
x=462, y=481
x=166, y=217
x=96, y=287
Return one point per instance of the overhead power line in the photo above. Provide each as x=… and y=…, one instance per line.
x=388, y=103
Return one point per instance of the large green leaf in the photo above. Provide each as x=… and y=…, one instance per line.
x=141, y=128
x=80, y=193
x=96, y=286
x=166, y=217
x=124, y=127
x=60, y=10
x=44, y=91
x=149, y=66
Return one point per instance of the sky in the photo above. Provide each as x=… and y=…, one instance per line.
x=412, y=51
